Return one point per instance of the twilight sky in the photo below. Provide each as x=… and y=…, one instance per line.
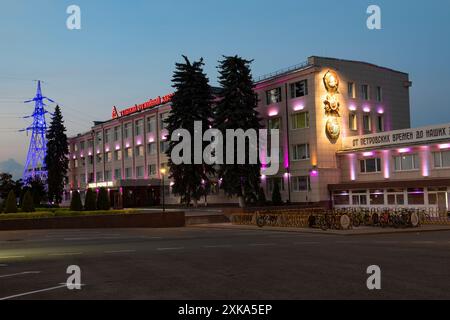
x=126, y=50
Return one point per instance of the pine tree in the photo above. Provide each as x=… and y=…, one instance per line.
x=236, y=109
x=37, y=187
x=90, y=203
x=11, y=203
x=103, y=202
x=191, y=102
x=27, y=202
x=75, y=203
x=276, y=195
x=261, y=197
x=56, y=159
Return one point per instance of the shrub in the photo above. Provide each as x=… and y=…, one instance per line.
x=11, y=203
x=90, y=203
x=103, y=202
x=27, y=202
x=276, y=195
x=261, y=197
x=75, y=202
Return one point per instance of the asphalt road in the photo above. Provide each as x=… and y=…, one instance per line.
x=200, y=263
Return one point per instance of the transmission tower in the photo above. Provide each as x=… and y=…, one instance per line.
x=35, y=164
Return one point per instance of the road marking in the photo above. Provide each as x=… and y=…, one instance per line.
x=423, y=242
x=3, y=265
x=20, y=274
x=345, y=242
x=306, y=242
x=120, y=251
x=218, y=246
x=65, y=254
x=261, y=244
x=12, y=257
x=166, y=249
x=33, y=292
x=386, y=242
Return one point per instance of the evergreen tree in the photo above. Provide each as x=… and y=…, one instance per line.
x=27, y=203
x=56, y=160
x=236, y=109
x=191, y=102
x=37, y=187
x=103, y=202
x=262, y=197
x=11, y=203
x=7, y=184
x=75, y=202
x=90, y=203
x=276, y=195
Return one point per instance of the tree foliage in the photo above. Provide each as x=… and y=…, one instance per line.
x=103, y=202
x=90, y=203
x=191, y=102
x=75, y=202
x=11, y=203
x=276, y=194
x=56, y=160
x=27, y=202
x=236, y=109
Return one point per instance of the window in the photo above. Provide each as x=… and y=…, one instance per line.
x=300, y=120
x=151, y=125
x=300, y=151
x=107, y=135
x=151, y=148
x=359, y=198
x=83, y=179
x=91, y=177
x=99, y=158
x=162, y=119
x=99, y=176
x=376, y=197
x=380, y=123
x=367, y=123
x=341, y=198
x=140, y=172
x=441, y=159
x=139, y=151
x=90, y=144
x=75, y=163
x=82, y=145
x=274, y=123
x=164, y=146
x=271, y=184
x=273, y=96
x=126, y=130
x=117, y=174
x=118, y=155
x=75, y=147
x=301, y=184
x=365, y=91
x=351, y=90
x=128, y=153
x=138, y=128
x=107, y=175
x=395, y=197
x=128, y=173
x=152, y=169
x=91, y=159
x=298, y=89
x=98, y=137
x=353, y=121
x=108, y=157
x=416, y=196
x=406, y=162
x=379, y=94
x=116, y=133
x=370, y=165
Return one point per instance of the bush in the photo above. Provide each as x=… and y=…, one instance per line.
x=27, y=202
x=103, y=202
x=90, y=203
x=261, y=197
x=11, y=203
x=276, y=195
x=75, y=202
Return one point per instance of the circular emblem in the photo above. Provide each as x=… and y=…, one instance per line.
x=333, y=129
x=331, y=82
x=414, y=219
x=345, y=222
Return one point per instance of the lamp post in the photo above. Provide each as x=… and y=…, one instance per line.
x=163, y=172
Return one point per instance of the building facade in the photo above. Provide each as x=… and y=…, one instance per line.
x=321, y=108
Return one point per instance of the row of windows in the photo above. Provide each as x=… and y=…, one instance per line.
x=366, y=122
x=391, y=197
x=365, y=92
x=299, y=120
x=297, y=89
x=106, y=176
x=298, y=184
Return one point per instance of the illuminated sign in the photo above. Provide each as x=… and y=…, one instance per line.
x=143, y=106
x=108, y=184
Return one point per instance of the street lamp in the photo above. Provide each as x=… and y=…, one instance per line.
x=163, y=172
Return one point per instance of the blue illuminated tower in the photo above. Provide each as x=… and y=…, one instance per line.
x=35, y=164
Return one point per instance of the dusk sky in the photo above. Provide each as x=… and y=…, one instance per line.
x=126, y=50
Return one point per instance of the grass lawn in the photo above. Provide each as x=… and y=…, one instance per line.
x=62, y=212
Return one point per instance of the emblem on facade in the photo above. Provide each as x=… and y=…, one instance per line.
x=331, y=83
x=114, y=114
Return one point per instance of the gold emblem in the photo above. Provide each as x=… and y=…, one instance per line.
x=332, y=105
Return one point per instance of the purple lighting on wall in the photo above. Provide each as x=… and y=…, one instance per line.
x=380, y=110
x=368, y=154
x=444, y=146
x=352, y=108
x=299, y=107
x=352, y=166
x=273, y=112
x=404, y=150
x=386, y=166
x=366, y=109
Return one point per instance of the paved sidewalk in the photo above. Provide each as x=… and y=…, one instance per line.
x=353, y=232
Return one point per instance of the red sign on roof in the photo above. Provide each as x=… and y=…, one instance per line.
x=144, y=106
